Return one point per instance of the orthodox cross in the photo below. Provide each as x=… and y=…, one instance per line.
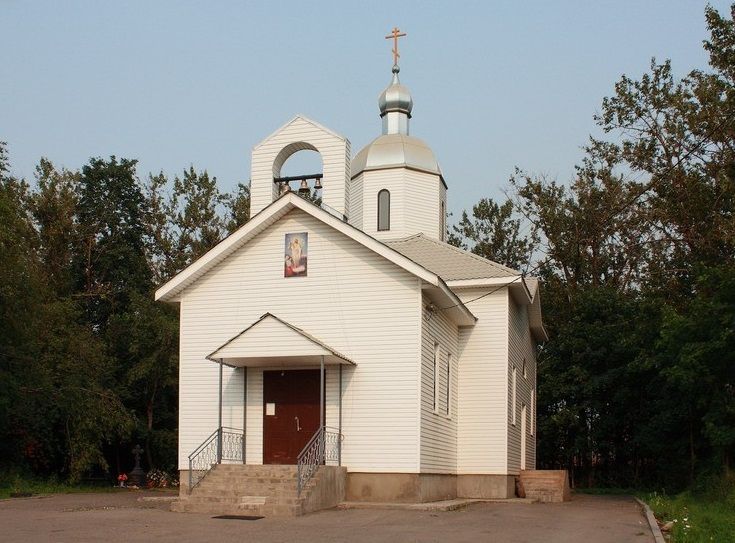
x=394, y=35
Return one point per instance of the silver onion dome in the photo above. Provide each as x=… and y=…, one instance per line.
x=396, y=97
x=395, y=148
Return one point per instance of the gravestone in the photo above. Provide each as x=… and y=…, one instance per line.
x=137, y=476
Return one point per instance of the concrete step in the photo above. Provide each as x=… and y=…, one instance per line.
x=251, y=490
x=248, y=480
x=256, y=469
x=285, y=485
x=545, y=485
x=238, y=489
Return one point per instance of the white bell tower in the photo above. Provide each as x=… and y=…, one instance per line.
x=298, y=134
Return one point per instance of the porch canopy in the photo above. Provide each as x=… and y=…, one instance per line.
x=273, y=342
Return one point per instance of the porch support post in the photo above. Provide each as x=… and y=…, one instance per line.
x=244, y=410
x=219, y=423
x=321, y=393
x=339, y=437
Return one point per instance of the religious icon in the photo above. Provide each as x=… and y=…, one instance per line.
x=297, y=246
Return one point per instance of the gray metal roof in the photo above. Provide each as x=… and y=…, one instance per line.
x=447, y=261
x=395, y=150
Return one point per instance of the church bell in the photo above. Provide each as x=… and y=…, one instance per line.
x=318, y=184
x=304, y=188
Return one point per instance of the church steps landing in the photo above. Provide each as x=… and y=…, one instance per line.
x=262, y=490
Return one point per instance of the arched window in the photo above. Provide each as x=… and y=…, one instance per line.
x=383, y=210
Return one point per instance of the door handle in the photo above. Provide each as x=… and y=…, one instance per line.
x=298, y=426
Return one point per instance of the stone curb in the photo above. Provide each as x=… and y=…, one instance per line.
x=655, y=530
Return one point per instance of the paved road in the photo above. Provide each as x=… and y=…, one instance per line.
x=121, y=517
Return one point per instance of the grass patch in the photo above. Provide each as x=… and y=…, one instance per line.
x=696, y=517
x=23, y=485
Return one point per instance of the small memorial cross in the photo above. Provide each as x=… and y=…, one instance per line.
x=137, y=476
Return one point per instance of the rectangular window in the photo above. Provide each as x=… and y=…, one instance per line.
x=383, y=210
x=533, y=410
x=435, y=378
x=449, y=384
x=443, y=226
x=514, y=397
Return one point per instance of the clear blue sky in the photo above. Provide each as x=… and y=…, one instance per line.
x=495, y=84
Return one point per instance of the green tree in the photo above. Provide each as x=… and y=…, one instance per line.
x=492, y=232
x=239, y=207
x=112, y=260
x=54, y=207
x=197, y=213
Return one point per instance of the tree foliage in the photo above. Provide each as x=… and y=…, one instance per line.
x=88, y=360
x=637, y=252
x=494, y=233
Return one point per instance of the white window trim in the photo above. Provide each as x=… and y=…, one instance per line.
x=533, y=410
x=385, y=227
x=514, y=397
x=448, y=387
x=435, y=379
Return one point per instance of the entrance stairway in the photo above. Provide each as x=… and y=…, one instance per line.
x=262, y=490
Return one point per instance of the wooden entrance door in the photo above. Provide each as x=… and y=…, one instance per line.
x=290, y=413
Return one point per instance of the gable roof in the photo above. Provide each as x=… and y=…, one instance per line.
x=300, y=117
x=275, y=211
x=447, y=261
x=256, y=345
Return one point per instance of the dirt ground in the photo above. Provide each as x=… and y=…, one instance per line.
x=113, y=517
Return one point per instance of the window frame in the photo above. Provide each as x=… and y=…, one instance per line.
x=533, y=411
x=448, y=387
x=435, y=379
x=381, y=227
x=514, y=396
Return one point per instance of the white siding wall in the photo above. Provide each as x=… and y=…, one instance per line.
x=422, y=210
x=353, y=300
x=438, y=430
x=520, y=346
x=414, y=201
x=355, y=213
x=335, y=153
x=483, y=377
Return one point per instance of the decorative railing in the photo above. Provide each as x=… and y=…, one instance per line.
x=324, y=446
x=222, y=444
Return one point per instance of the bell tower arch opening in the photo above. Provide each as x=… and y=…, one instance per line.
x=297, y=158
x=298, y=167
x=315, y=146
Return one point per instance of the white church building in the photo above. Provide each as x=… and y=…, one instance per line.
x=345, y=349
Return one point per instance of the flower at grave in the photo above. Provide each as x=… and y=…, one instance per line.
x=157, y=478
x=122, y=478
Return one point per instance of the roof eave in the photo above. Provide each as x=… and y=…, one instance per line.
x=257, y=223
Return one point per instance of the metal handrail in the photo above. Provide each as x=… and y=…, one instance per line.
x=223, y=444
x=325, y=445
